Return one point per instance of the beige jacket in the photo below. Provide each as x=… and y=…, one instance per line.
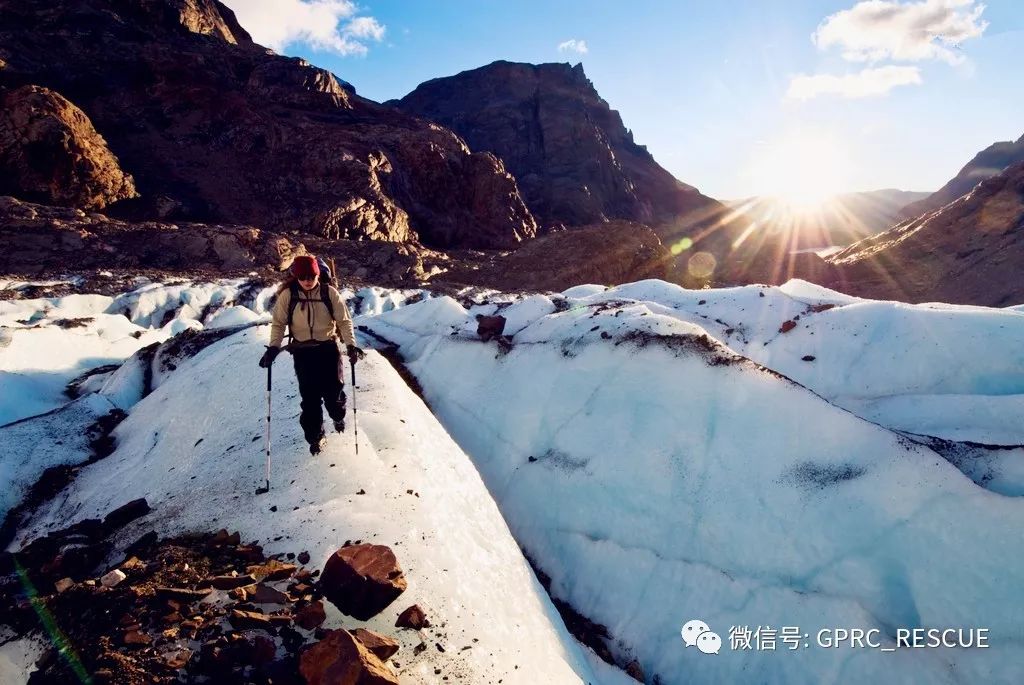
x=311, y=319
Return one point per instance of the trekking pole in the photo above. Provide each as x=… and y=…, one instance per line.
x=355, y=422
x=266, y=487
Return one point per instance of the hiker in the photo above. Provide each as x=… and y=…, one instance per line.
x=315, y=315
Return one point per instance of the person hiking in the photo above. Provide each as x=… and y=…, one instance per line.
x=315, y=316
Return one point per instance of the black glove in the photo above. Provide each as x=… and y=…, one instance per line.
x=269, y=356
x=355, y=354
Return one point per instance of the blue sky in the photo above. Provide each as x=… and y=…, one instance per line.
x=709, y=86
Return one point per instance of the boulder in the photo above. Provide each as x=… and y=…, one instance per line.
x=126, y=513
x=488, y=327
x=361, y=580
x=264, y=594
x=382, y=646
x=340, y=659
x=311, y=615
x=50, y=152
x=414, y=617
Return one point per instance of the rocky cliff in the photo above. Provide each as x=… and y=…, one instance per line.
x=969, y=252
x=575, y=161
x=214, y=128
x=985, y=164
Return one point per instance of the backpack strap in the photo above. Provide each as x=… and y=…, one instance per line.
x=293, y=302
x=325, y=295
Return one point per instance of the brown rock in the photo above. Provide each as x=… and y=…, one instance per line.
x=488, y=327
x=340, y=659
x=272, y=570
x=311, y=615
x=245, y=620
x=137, y=637
x=414, y=617
x=263, y=650
x=303, y=557
x=250, y=553
x=222, y=537
x=183, y=594
x=63, y=584
x=635, y=671
x=787, y=326
x=241, y=593
x=178, y=658
x=264, y=594
x=361, y=580
x=381, y=645
x=50, y=152
x=126, y=513
x=230, y=582
x=133, y=565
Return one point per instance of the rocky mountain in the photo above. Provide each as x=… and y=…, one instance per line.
x=971, y=251
x=611, y=253
x=78, y=169
x=985, y=164
x=575, y=160
x=844, y=219
x=42, y=240
x=172, y=100
x=578, y=165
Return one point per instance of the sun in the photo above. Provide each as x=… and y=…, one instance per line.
x=803, y=170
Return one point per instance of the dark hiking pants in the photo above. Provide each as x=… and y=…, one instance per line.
x=319, y=372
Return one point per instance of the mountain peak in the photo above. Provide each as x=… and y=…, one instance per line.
x=575, y=160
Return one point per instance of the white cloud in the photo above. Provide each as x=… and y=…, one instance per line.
x=862, y=84
x=326, y=25
x=573, y=45
x=914, y=31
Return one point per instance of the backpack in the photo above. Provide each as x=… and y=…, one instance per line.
x=325, y=297
x=326, y=272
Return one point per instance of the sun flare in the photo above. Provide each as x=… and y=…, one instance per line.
x=803, y=171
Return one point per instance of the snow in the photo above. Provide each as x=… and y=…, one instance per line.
x=579, y=291
x=193, y=448
x=18, y=658
x=39, y=356
x=233, y=316
x=950, y=371
x=698, y=484
x=524, y=312
x=32, y=446
x=373, y=300
x=43, y=357
x=439, y=315
x=662, y=454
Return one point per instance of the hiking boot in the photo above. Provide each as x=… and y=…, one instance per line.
x=339, y=425
x=316, y=447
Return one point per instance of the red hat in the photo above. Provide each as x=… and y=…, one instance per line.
x=305, y=266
